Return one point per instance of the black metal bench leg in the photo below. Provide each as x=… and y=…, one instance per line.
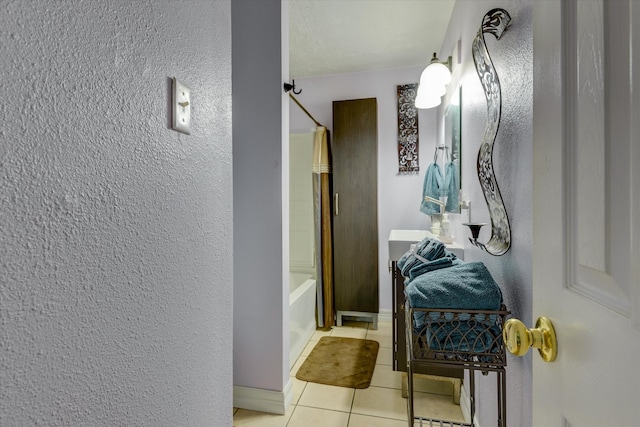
x=410, y=412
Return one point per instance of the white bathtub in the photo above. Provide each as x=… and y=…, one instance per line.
x=302, y=313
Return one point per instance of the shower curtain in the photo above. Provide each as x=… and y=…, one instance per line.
x=322, y=221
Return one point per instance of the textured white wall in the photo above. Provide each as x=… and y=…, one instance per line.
x=512, y=56
x=398, y=195
x=115, y=232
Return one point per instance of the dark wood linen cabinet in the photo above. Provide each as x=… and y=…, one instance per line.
x=355, y=220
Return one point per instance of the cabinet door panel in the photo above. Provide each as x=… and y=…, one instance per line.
x=355, y=221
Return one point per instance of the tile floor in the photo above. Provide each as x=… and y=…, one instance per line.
x=380, y=405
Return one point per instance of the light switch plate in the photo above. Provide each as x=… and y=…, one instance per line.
x=181, y=102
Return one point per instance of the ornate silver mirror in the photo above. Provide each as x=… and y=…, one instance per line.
x=494, y=22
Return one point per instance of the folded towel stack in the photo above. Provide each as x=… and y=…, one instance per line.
x=466, y=285
x=425, y=256
x=462, y=286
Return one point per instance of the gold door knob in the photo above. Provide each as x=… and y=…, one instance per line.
x=518, y=338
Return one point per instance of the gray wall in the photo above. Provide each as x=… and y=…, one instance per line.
x=115, y=241
x=512, y=56
x=260, y=222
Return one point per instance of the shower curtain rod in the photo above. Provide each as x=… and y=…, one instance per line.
x=305, y=110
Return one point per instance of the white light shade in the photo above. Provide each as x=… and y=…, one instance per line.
x=436, y=72
x=432, y=88
x=426, y=100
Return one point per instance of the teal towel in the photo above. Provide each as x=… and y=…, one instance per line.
x=477, y=333
x=425, y=256
x=451, y=187
x=467, y=285
x=432, y=187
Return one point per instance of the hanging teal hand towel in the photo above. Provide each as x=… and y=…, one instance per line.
x=431, y=187
x=451, y=187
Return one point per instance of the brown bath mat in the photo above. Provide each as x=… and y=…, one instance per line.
x=344, y=362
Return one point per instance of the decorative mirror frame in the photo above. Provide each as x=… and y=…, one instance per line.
x=494, y=22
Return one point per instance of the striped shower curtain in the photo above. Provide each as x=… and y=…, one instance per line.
x=322, y=221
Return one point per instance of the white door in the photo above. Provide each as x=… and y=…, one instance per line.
x=586, y=257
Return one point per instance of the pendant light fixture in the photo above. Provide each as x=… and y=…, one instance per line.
x=433, y=83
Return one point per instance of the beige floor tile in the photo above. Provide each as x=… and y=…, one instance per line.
x=383, y=329
x=245, y=417
x=297, y=365
x=385, y=356
x=383, y=339
x=319, y=334
x=432, y=385
x=380, y=402
x=357, y=420
x=436, y=406
x=327, y=397
x=307, y=349
x=314, y=417
x=355, y=324
x=348, y=332
x=298, y=388
x=385, y=376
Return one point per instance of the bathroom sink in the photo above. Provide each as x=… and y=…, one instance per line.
x=401, y=240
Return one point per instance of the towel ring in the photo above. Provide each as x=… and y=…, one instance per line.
x=446, y=153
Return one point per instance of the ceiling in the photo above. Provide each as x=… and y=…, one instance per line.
x=343, y=36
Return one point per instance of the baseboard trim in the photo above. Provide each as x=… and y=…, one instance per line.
x=257, y=399
x=385, y=315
